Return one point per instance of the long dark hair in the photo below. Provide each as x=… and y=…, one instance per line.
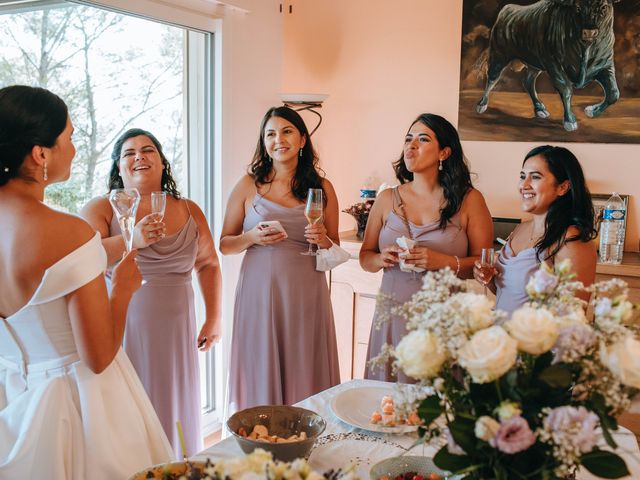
x=29, y=116
x=454, y=177
x=167, y=182
x=307, y=172
x=574, y=208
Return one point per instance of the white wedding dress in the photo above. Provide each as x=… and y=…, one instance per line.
x=58, y=419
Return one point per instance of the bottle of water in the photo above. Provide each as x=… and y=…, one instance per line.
x=612, y=230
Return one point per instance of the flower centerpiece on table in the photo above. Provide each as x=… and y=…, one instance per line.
x=531, y=397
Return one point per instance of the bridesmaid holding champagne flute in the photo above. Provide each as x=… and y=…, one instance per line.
x=284, y=343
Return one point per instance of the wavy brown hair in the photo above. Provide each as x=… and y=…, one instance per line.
x=307, y=173
x=167, y=182
x=454, y=177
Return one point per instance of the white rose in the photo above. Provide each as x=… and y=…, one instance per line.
x=488, y=354
x=486, y=428
x=623, y=359
x=479, y=310
x=419, y=355
x=535, y=329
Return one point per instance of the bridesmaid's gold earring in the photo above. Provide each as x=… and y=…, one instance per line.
x=45, y=174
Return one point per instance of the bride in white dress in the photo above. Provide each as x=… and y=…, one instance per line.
x=71, y=405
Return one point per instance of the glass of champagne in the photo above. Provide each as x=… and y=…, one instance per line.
x=314, y=211
x=158, y=204
x=487, y=260
x=124, y=202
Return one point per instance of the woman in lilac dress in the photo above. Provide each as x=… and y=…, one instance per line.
x=553, y=191
x=437, y=207
x=284, y=345
x=161, y=337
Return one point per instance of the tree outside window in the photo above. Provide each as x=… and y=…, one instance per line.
x=114, y=72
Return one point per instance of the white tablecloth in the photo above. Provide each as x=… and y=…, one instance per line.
x=320, y=403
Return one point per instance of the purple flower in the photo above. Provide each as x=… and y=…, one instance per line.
x=542, y=283
x=575, y=339
x=452, y=446
x=513, y=436
x=577, y=425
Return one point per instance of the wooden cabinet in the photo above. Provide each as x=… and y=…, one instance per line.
x=353, y=295
x=629, y=271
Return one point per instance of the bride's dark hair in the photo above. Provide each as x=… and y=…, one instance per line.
x=29, y=116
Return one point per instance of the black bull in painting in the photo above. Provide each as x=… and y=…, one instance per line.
x=571, y=40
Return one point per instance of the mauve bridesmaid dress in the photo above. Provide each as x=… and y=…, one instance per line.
x=284, y=342
x=398, y=286
x=513, y=275
x=161, y=333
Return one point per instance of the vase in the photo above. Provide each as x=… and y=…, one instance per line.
x=360, y=232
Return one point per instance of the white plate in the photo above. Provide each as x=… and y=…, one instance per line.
x=355, y=406
x=341, y=450
x=303, y=97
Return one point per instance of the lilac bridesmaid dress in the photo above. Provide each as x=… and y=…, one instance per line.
x=283, y=347
x=161, y=333
x=512, y=277
x=398, y=286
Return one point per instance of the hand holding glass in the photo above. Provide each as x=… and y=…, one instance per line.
x=314, y=211
x=487, y=260
x=124, y=202
x=158, y=204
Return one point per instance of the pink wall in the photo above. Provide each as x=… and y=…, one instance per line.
x=382, y=63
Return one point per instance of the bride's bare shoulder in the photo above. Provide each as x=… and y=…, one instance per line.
x=53, y=234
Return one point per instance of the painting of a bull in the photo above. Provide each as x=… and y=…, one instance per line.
x=571, y=40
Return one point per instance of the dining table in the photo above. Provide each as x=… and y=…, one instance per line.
x=357, y=443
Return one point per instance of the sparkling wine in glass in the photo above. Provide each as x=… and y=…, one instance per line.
x=487, y=260
x=158, y=204
x=124, y=202
x=314, y=211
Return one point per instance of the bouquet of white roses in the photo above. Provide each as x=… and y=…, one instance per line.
x=528, y=397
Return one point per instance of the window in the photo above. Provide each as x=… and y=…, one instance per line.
x=117, y=71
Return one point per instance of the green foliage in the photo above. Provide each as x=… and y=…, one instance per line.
x=430, y=409
x=604, y=464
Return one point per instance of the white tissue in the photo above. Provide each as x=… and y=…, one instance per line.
x=407, y=244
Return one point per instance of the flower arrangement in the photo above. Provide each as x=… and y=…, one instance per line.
x=531, y=397
x=258, y=465
x=360, y=211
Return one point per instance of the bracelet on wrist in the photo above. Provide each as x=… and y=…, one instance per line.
x=457, y=264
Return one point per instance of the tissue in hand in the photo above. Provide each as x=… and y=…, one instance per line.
x=407, y=244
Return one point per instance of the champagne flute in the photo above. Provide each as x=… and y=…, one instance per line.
x=487, y=260
x=124, y=202
x=158, y=204
x=314, y=211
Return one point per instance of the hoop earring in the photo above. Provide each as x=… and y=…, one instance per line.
x=45, y=173
x=440, y=166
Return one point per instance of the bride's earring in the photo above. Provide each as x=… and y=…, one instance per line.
x=45, y=174
x=440, y=166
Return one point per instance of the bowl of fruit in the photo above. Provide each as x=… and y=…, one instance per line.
x=408, y=467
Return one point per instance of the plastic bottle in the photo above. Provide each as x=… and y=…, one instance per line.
x=612, y=230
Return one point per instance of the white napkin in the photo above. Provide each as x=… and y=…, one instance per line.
x=328, y=258
x=407, y=244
